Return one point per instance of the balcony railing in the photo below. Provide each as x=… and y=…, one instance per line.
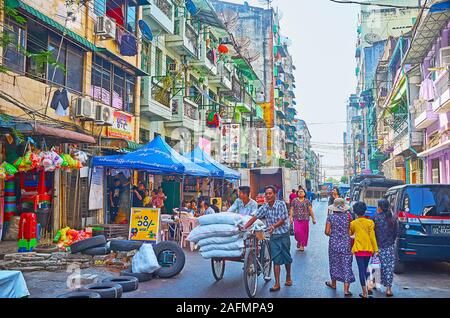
x=165, y=6
x=190, y=111
x=159, y=93
x=192, y=36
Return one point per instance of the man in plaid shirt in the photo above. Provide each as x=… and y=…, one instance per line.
x=277, y=217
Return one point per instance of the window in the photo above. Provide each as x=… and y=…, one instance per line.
x=37, y=42
x=131, y=16
x=146, y=57
x=144, y=136
x=436, y=171
x=111, y=85
x=169, y=62
x=158, y=62
x=13, y=58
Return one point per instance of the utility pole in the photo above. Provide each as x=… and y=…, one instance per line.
x=366, y=140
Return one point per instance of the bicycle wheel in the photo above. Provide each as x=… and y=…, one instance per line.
x=250, y=273
x=266, y=261
x=218, y=268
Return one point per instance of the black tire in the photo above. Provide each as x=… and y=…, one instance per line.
x=165, y=250
x=125, y=246
x=142, y=277
x=218, y=268
x=128, y=283
x=87, y=244
x=106, y=290
x=266, y=261
x=399, y=266
x=80, y=294
x=99, y=250
x=250, y=273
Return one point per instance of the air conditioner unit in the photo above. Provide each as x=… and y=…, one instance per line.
x=104, y=115
x=84, y=109
x=105, y=27
x=445, y=56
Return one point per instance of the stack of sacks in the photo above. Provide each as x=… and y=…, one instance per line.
x=218, y=235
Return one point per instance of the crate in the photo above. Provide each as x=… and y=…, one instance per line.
x=111, y=231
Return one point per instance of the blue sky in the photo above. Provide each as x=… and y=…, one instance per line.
x=324, y=37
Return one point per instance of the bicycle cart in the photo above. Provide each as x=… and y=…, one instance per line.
x=256, y=259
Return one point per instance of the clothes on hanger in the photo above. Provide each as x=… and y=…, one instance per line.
x=428, y=90
x=60, y=102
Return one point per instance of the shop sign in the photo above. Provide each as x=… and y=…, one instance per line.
x=144, y=225
x=122, y=126
x=230, y=143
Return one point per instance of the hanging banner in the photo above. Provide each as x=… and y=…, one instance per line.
x=144, y=225
x=122, y=126
x=225, y=143
x=235, y=141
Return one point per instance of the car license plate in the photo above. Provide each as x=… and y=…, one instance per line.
x=441, y=229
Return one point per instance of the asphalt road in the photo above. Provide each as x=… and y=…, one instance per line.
x=310, y=271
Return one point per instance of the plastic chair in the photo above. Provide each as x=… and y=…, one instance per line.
x=187, y=225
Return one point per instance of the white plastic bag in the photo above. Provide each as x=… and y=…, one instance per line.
x=220, y=218
x=236, y=245
x=214, y=230
x=145, y=260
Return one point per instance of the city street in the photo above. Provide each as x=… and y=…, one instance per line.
x=310, y=271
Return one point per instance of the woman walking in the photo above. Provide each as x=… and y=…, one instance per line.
x=301, y=212
x=365, y=244
x=386, y=229
x=340, y=248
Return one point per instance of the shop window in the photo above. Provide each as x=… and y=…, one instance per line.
x=13, y=57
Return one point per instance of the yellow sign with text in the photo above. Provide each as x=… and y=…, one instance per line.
x=144, y=224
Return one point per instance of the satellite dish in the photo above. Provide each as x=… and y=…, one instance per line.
x=371, y=38
x=145, y=30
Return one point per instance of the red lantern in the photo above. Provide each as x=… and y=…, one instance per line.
x=223, y=49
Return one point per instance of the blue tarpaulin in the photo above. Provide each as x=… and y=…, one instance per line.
x=216, y=169
x=156, y=157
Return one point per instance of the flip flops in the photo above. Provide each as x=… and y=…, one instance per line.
x=289, y=283
x=274, y=289
x=329, y=285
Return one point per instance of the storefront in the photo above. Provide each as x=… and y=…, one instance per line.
x=437, y=163
x=43, y=173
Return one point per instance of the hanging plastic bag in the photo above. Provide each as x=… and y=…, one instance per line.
x=145, y=260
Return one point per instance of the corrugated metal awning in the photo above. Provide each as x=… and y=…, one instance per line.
x=426, y=34
x=62, y=134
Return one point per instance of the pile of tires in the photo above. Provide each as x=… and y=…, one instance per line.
x=105, y=290
x=91, y=246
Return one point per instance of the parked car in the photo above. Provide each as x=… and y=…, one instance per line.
x=423, y=214
x=371, y=190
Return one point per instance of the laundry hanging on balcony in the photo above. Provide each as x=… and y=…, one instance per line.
x=428, y=90
x=128, y=45
x=60, y=102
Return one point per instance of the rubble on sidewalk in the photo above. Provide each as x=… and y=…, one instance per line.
x=32, y=261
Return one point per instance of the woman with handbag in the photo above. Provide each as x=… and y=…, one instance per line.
x=339, y=247
x=365, y=244
x=386, y=229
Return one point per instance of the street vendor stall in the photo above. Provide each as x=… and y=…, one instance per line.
x=156, y=158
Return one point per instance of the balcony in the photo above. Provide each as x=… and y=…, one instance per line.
x=223, y=77
x=185, y=114
x=425, y=115
x=155, y=100
x=159, y=15
x=235, y=95
x=206, y=60
x=442, y=104
x=184, y=41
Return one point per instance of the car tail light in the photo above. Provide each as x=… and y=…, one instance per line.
x=402, y=217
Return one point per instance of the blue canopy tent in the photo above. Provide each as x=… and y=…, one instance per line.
x=217, y=169
x=156, y=158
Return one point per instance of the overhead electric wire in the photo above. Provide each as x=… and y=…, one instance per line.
x=376, y=4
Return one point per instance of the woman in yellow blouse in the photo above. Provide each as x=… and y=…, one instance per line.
x=365, y=244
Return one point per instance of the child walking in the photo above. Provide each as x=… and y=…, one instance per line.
x=365, y=244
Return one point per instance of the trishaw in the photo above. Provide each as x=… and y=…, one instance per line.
x=256, y=258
